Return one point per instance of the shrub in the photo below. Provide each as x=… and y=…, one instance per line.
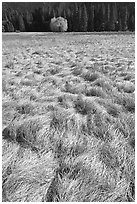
x=58, y=24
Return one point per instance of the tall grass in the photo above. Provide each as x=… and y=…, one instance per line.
x=68, y=124
x=89, y=76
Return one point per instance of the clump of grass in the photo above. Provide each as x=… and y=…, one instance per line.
x=12, y=82
x=52, y=194
x=112, y=108
x=54, y=70
x=104, y=83
x=10, y=65
x=36, y=52
x=9, y=156
x=126, y=125
x=8, y=109
x=19, y=74
x=108, y=157
x=8, y=133
x=127, y=76
x=66, y=134
x=25, y=108
x=74, y=88
x=124, y=74
x=87, y=168
x=98, y=125
x=30, y=178
x=98, y=175
x=127, y=87
x=26, y=82
x=91, y=182
x=96, y=91
x=38, y=71
x=27, y=132
x=126, y=100
x=83, y=107
x=33, y=97
x=69, y=88
x=67, y=141
x=4, y=85
x=77, y=71
x=66, y=100
x=89, y=76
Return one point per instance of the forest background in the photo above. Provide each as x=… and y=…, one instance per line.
x=81, y=16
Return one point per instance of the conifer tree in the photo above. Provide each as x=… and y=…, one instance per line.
x=108, y=17
x=125, y=20
x=75, y=18
x=80, y=18
x=112, y=18
x=91, y=18
x=84, y=22
x=21, y=23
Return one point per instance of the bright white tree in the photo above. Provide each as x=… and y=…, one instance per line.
x=58, y=24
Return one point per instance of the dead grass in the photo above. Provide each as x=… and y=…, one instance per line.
x=111, y=108
x=25, y=108
x=96, y=91
x=77, y=71
x=126, y=100
x=104, y=83
x=68, y=119
x=89, y=76
x=127, y=87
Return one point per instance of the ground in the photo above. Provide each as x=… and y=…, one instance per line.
x=68, y=117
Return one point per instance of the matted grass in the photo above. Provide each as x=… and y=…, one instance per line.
x=68, y=117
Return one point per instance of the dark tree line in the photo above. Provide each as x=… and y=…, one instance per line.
x=81, y=16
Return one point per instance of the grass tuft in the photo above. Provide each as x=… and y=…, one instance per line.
x=88, y=76
x=108, y=157
x=127, y=87
x=25, y=108
x=84, y=106
x=96, y=91
x=126, y=100
x=104, y=83
x=77, y=71
x=111, y=108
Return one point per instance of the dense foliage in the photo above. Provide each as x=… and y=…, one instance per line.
x=58, y=24
x=81, y=16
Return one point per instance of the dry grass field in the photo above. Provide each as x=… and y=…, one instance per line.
x=68, y=117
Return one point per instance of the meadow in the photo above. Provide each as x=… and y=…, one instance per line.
x=68, y=117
